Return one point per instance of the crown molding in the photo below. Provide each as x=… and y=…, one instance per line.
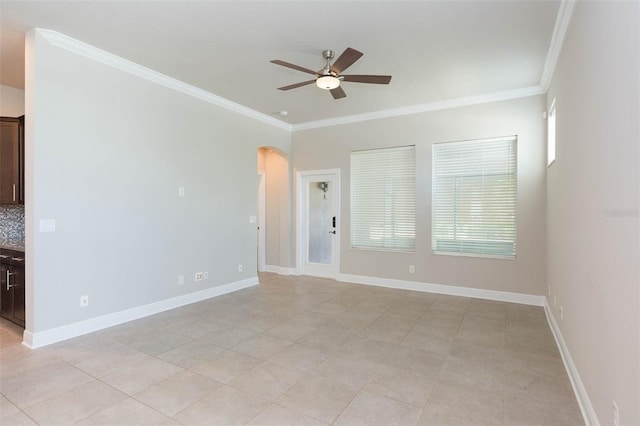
x=98, y=55
x=416, y=109
x=565, y=12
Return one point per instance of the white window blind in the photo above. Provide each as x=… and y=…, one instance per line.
x=383, y=199
x=474, y=198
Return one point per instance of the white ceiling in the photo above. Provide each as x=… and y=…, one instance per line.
x=435, y=50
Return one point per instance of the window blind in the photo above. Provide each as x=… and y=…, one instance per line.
x=474, y=197
x=383, y=199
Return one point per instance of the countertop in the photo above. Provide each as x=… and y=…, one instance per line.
x=11, y=246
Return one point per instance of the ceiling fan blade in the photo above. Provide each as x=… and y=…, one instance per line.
x=293, y=66
x=348, y=57
x=294, y=86
x=375, y=79
x=338, y=93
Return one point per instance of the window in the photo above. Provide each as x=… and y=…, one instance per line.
x=551, y=134
x=383, y=199
x=474, y=198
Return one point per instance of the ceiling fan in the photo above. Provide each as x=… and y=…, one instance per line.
x=329, y=77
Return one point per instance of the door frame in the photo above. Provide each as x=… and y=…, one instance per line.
x=262, y=234
x=301, y=220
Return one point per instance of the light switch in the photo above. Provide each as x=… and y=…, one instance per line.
x=47, y=225
x=253, y=219
x=181, y=191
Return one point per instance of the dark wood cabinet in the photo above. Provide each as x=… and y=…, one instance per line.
x=11, y=160
x=12, y=296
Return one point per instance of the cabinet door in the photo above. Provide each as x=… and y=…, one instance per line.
x=6, y=302
x=17, y=281
x=10, y=156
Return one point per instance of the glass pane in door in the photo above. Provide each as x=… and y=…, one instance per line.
x=320, y=222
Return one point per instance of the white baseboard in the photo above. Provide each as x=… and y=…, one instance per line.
x=281, y=270
x=502, y=296
x=588, y=413
x=54, y=335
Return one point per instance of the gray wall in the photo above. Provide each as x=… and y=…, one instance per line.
x=106, y=154
x=593, y=199
x=330, y=147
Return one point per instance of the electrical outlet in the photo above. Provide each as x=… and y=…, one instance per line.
x=206, y=275
x=240, y=267
x=561, y=313
x=84, y=301
x=180, y=279
x=616, y=414
x=412, y=269
x=199, y=276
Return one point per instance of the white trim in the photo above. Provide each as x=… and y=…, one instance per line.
x=280, y=270
x=301, y=244
x=109, y=59
x=586, y=408
x=557, y=40
x=262, y=222
x=47, y=337
x=502, y=296
x=431, y=106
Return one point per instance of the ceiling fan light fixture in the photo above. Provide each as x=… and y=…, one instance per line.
x=327, y=82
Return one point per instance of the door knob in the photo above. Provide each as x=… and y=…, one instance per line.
x=332, y=232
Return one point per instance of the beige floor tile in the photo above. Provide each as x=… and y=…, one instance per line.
x=192, y=353
x=196, y=328
x=327, y=339
x=340, y=366
x=401, y=385
x=318, y=397
x=177, y=392
x=368, y=349
x=262, y=346
x=17, y=361
x=524, y=412
x=127, y=412
x=137, y=377
x=11, y=415
x=40, y=383
x=158, y=344
x=311, y=319
x=369, y=409
x=226, y=406
x=290, y=331
x=103, y=364
x=427, y=342
x=526, y=383
x=423, y=363
x=481, y=374
x=388, y=329
x=465, y=361
x=302, y=357
x=226, y=366
x=229, y=336
x=74, y=405
x=450, y=405
x=276, y=415
x=267, y=380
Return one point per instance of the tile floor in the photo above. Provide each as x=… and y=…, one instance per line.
x=299, y=351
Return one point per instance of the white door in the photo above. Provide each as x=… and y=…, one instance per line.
x=318, y=223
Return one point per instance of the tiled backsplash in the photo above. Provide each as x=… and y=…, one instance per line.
x=11, y=225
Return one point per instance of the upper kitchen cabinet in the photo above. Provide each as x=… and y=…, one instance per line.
x=11, y=160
